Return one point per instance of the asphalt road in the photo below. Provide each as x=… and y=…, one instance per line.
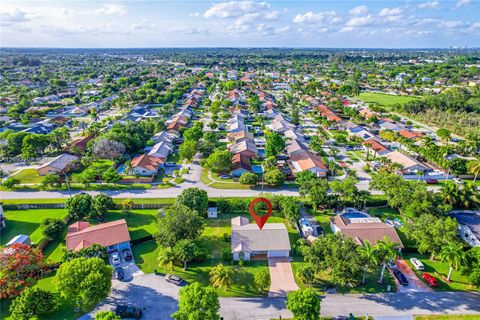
x=159, y=300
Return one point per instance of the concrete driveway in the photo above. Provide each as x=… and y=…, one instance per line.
x=281, y=276
x=414, y=283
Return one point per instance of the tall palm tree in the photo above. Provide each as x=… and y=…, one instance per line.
x=128, y=167
x=474, y=168
x=370, y=256
x=221, y=276
x=184, y=251
x=454, y=255
x=388, y=251
x=166, y=258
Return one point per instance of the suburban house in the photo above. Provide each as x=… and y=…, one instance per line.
x=409, y=165
x=236, y=126
x=146, y=165
x=61, y=164
x=112, y=235
x=240, y=135
x=375, y=147
x=163, y=136
x=307, y=161
x=80, y=143
x=241, y=164
x=250, y=242
x=161, y=150
x=407, y=134
x=361, y=227
x=245, y=147
x=469, y=226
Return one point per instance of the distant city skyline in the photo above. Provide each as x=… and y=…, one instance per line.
x=338, y=24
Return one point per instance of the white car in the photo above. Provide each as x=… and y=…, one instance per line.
x=417, y=264
x=115, y=259
x=458, y=180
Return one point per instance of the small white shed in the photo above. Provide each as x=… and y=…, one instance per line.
x=212, y=213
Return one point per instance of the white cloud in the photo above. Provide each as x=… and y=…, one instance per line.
x=386, y=12
x=13, y=17
x=451, y=24
x=360, y=21
x=235, y=9
x=111, y=9
x=462, y=3
x=359, y=10
x=429, y=5
x=142, y=25
x=346, y=29
x=325, y=17
x=194, y=15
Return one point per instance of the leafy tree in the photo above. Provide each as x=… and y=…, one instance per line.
x=305, y=177
x=86, y=177
x=166, y=258
x=19, y=269
x=317, y=192
x=94, y=251
x=53, y=228
x=10, y=183
x=274, y=177
x=79, y=206
x=370, y=256
x=101, y=203
x=184, y=251
x=34, y=145
x=221, y=276
x=306, y=274
x=453, y=254
x=472, y=268
x=290, y=207
x=304, y=304
x=194, y=133
x=111, y=176
x=274, y=144
x=51, y=180
x=179, y=222
x=262, y=280
x=106, y=315
x=220, y=161
x=127, y=205
x=432, y=233
x=474, y=168
x=194, y=198
x=33, y=302
x=188, y=149
x=444, y=134
x=197, y=303
x=86, y=281
x=248, y=178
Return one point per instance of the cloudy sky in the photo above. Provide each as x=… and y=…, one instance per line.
x=334, y=23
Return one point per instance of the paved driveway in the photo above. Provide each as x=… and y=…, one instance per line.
x=414, y=284
x=281, y=276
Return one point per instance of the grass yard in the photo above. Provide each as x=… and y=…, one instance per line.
x=141, y=222
x=323, y=218
x=28, y=176
x=391, y=213
x=28, y=222
x=384, y=100
x=459, y=281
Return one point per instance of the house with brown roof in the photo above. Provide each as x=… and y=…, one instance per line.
x=240, y=164
x=375, y=147
x=60, y=165
x=407, y=134
x=306, y=161
x=246, y=148
x=80, y=143
x=240, y=136
x=408, y=164
x=112, y=235
x=146, y=165
x=361, y=227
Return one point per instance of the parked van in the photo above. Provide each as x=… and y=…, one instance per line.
x=417, y=264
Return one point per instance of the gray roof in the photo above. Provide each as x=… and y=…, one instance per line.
x=248, y=237
x=471, y=220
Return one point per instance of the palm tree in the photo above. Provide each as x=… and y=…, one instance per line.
x=370, y=255
x=454, y=255
x=166, y=258
x=388, y=251
x=184, y=251
x=128, y=167
x=474, y=168
x=221, y=276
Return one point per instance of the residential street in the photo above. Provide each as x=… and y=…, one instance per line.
x=159, y=298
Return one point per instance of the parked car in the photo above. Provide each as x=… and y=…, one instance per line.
x=225, y=176
x=417, y=264
x=174, y=279
x=127, y=254
x=119, y=274
x=116, y=259
x=432, y=281
x=170, y=164
x=431, y=181
x=458, y=180
x=128, y=312
x=400, y=277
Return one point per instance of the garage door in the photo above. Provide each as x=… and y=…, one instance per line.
x=278, y=253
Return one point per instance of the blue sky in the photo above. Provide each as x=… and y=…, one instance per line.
x=364, y=24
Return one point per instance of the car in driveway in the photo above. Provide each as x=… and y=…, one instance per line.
x=172, y=278
x=119, y=274
x=458, y=180
x=225, y=176
x=431, y=280
x=127, y=254
x=125, y=312
x=417, y=264
x=116, y=261
x=431, y=181
x=400, y=277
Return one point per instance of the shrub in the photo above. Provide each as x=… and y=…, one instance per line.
x=53, y=228
x=248, y=178
x=10, y=183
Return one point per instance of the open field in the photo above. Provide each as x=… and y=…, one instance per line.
x=383, y=100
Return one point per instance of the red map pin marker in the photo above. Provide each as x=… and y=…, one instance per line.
x=260, y=220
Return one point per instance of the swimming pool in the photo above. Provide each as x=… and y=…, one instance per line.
x=352, y=215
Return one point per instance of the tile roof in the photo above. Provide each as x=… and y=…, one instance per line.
x=105, y=234
x=147, y=162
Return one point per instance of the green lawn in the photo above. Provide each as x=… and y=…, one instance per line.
x=323, y=219
x=28, y=222
x=141, y=222
x=28, y=176
x=459, y=281
x=383, y=100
